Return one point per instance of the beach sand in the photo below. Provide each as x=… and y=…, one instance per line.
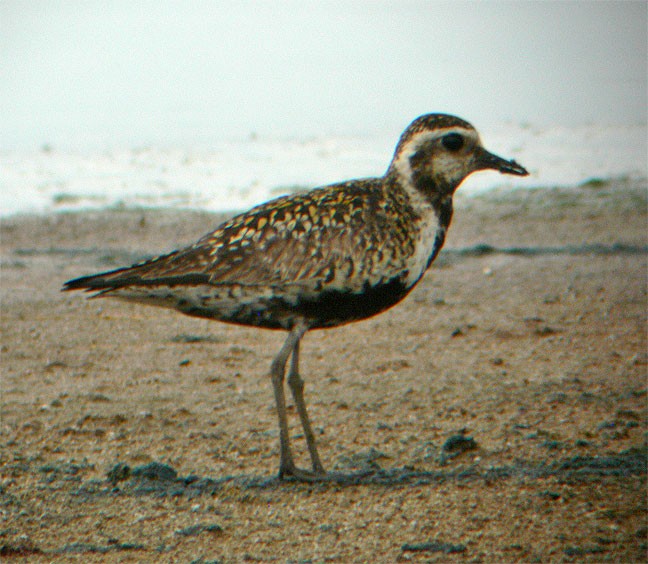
x=498, y=414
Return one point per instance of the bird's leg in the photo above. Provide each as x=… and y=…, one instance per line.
x=297, y=388
x=277, y=370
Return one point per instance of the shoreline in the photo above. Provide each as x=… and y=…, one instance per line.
x=629, y=183
x=624, y=194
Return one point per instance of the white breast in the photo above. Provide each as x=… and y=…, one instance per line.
x=424, y=247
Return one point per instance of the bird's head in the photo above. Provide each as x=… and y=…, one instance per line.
x=438, y=151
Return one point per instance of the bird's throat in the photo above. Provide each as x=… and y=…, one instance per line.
x=434, y=189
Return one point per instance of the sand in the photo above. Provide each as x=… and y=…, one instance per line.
x=497, y=414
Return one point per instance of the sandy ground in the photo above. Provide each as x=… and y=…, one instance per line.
x=498, y=414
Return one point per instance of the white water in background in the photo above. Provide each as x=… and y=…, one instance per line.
x=220, y=106
x=237, y=175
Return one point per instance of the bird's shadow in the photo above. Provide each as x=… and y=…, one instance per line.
x=161, y=480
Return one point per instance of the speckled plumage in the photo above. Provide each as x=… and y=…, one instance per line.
x=333, y=255
x=264, y=267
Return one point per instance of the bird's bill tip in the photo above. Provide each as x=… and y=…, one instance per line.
x=486, y=160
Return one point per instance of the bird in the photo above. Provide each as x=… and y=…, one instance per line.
x=332, y=255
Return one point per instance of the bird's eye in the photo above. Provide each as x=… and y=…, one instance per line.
x=452, y=141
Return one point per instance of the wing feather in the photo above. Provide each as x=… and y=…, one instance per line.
x=309, y=239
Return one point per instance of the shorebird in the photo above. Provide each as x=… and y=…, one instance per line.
x=330, y=256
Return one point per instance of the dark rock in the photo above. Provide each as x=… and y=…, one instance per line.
x=458, y=444
x=118, y=473
x=155, y=471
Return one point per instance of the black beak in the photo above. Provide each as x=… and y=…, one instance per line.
x=487, y=160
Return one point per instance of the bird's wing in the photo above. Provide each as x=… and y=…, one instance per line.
x=322, y=237
x=326, y=236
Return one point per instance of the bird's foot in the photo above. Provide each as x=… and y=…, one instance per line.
x=299, y=474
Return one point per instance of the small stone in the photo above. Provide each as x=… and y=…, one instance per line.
x=118, y=473
x=459, y=443
x=155, y=471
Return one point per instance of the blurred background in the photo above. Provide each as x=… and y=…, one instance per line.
x=222, y=104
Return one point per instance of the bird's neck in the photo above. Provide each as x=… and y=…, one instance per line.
x=432, y=209
x=444, y=215
x=426, y=195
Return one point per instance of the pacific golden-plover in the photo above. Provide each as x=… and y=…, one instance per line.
x=333, y=255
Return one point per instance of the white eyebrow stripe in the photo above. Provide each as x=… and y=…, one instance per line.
x=423, y=137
